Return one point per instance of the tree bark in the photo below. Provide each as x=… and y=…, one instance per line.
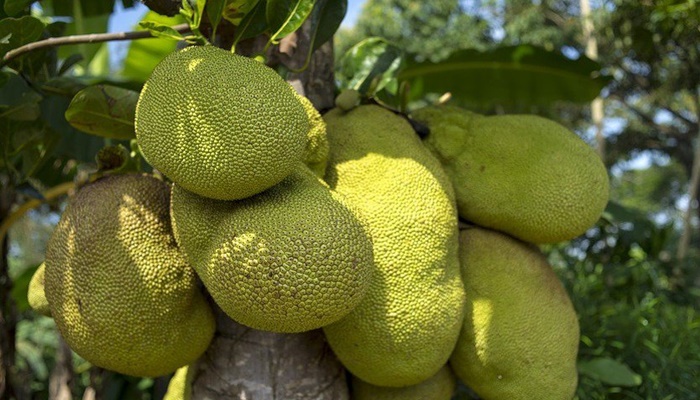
x=244, y=363
x=694, y=186
x=61, y=379
x=597, y=106
x=8, y=314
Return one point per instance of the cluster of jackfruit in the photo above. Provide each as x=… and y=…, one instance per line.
x=347, y=222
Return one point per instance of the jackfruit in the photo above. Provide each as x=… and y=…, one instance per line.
x=180, y=385
x=404, y=330
x=218, y=124
x=520, y=335
x=316, y=152
x=440, y=386
x=523, y=175
x=118, y=287
x=291, y=259
x=35, y=293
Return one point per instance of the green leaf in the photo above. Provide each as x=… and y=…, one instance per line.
x=14, y=7
x=370, y=66
x=610, y=372
x=161, y=30
x=83, y=25
x=20, y=288
x=18, y=101
x=144, y=55
x=253, y=24
x=104, y=110
x=215, y=9
x=286, y=16
x=325, y=20
x=235, y=10
x=88, y=8
x=19, y=31
x=509, y=76
x=73, y=144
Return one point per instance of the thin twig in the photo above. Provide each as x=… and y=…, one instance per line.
x=78, y=39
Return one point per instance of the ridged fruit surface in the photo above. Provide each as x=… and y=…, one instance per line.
x=120, y=290
x=404, y=330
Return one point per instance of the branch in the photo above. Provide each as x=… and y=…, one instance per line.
x=78, y=39
x=54, y=192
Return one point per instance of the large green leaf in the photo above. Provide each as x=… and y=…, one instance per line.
x=144, y=55
x=104, y=110
x=610, y=372
x=18, y=102
x=14, y=7
x=253, y=23
x=286, y=16
x=73, y=143
x=370, y=66
x=326, y=19
x=215, y=9
x=509, y=76
x=235, y=10
x=15, y=32
x=88, y=8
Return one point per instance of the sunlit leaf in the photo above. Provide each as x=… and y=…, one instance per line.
x=286, y=16
x=161, y=30
x=103, y=110
x=143, y=55
x=511, y=76
x=370, y=66
x=610, y=372
x=235, y=10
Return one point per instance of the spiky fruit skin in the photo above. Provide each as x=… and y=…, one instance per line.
x=218, y=124
x=35, y=293
x=291, y=259
x=120, y=291
x=520, y=335
x=404, y=330
x=440, y=386
x=524, y=175
x=316, y=152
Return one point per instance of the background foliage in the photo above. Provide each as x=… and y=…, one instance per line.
x=637, y=301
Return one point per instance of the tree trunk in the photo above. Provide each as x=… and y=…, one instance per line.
x=244, y=363
x=8, y=315
x=694, y=185
x=597, y=106
x=61, y=378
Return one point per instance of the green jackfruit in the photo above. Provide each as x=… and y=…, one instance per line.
x=519, y=174
x=180, y=385
x=404, y=330
x=120, y=290
x=36, y=295
x=520, y=335
x=316, y=152
x=440, y=386
x=218, y=124
x=291, y=259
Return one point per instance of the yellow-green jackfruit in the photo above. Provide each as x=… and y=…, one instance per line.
x=519, y=174
x=36, y=295
x=290, y=259
x=180, y=385
x=440, y=386
x=218, y=124
x=316, y=152
x=118, y=287
x=520, y=335
x=404, y=330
